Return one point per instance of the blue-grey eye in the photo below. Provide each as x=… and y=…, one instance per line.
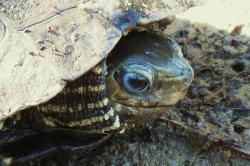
x=135, y=82
x=135, y=78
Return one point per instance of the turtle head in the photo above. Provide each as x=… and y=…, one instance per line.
x=147, y=75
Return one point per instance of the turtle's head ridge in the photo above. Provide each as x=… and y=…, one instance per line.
x=147, y=74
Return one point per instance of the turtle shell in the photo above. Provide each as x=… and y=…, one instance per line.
x=59, y=41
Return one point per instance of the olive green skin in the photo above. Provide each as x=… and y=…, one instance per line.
x=160, y=60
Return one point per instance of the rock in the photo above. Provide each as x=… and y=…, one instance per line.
x=231, y=50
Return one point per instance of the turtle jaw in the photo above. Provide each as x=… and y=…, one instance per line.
x=138, y=115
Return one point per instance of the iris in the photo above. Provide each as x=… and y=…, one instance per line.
x=135, y=82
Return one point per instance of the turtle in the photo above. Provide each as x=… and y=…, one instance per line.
x=90, y=68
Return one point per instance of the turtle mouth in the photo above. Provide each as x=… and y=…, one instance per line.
x=139, y=114
x=150, y=107
x=185, y=79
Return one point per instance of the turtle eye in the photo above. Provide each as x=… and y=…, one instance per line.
x=135, y=79
x=135, y=82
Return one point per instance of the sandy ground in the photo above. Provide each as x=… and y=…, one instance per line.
x=222, y=14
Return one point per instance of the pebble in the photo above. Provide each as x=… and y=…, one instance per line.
x=218, y=43
x=242, y=49
x=230, y=49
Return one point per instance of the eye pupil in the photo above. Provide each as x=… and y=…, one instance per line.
x=135, y=79
x=139, y=82
x=133, y=82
